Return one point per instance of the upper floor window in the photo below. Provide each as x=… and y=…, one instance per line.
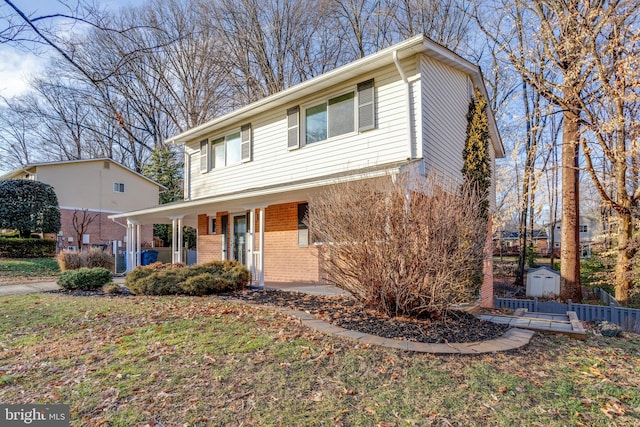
x=333, y=117
x=227, y=150
x=347, y=113
x=118, y=187
x=583, y=229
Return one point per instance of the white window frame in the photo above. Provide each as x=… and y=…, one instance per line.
x=223, y=140
x=302, y=125
x=213, y=226
x=118, y=187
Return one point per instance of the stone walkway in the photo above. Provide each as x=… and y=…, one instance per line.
x=566, y=324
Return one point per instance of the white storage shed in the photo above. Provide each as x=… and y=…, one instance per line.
x=543, y=281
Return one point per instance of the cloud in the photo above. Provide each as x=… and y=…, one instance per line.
x=16, y=67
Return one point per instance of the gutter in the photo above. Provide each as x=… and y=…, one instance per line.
x=404, y=78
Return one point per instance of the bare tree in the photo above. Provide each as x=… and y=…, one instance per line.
x=80, y=222
x=446, y=22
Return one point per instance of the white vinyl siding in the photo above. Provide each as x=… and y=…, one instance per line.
x=274, y=162
x=445, y=103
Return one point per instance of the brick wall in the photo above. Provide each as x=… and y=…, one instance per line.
x=209, y=245
x=101, y=230
x=284, y=261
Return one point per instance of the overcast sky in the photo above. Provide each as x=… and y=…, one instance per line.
x=16, y=65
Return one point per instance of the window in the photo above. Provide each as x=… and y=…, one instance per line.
x=347, y=113
x=315, y=123
x=227, y=150
x=331, y=118
x=583, y=229
x=212, y=225
x=118, y=187
x=303, y=229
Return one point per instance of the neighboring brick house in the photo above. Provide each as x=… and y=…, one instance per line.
x=92, y=190
x=249, y=174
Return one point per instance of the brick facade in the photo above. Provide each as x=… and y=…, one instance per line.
x=284, y=260
x=101, y=230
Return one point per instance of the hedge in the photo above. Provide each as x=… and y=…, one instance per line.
x=27, y=248
x=172, y=279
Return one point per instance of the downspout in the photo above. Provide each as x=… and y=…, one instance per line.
x=404, y=78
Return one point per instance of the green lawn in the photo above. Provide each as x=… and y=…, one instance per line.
x=21, y=268
x=204, y=361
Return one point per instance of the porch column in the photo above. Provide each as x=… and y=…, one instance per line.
x=138, y=244
x=133, y=245
x=127, y=256
x=180, y=239
x=250, y=240
x=174, y=238
x=261, y=262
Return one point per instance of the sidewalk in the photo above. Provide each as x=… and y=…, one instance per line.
x=27, y=288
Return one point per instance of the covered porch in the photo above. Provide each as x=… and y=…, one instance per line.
x=259, y=227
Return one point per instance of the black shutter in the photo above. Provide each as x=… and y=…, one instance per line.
x=366, y=106
x=204, y=156
x=245, y=136
x=293, y=132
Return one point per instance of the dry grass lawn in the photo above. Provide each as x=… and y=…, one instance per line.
x=177, y=361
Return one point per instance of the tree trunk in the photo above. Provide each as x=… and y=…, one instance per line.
x=570, y=234
x=623, y=264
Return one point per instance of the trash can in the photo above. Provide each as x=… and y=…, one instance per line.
x=152, y=256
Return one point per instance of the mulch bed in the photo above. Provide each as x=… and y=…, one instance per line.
x=455, y=327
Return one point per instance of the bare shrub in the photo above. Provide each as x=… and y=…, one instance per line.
x=96, y=257
x=92, y=258
x=69, y=260
x=403, y=246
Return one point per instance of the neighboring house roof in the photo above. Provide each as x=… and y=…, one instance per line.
x=407, y=48
x=508, y=235
x=29, y=168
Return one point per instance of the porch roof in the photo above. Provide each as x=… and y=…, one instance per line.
x=256, y=197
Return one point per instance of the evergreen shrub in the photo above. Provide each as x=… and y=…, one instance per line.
x=85, y=279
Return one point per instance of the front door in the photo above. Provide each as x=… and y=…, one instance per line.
x=240, y=239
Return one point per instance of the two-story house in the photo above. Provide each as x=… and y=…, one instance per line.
x=249, y=174
x=88, y=192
